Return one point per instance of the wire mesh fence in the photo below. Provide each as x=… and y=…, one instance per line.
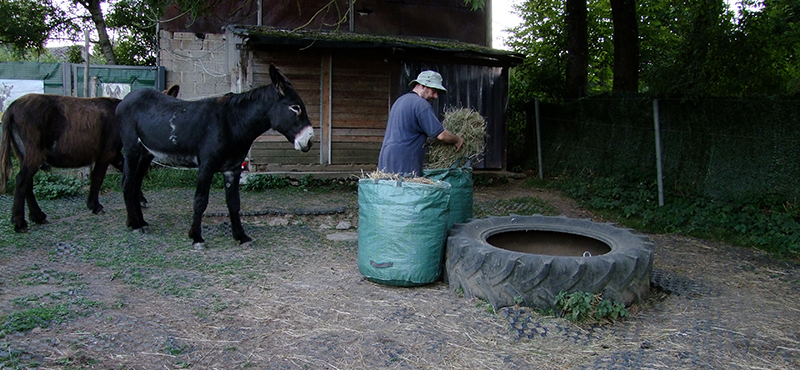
x=716, y=148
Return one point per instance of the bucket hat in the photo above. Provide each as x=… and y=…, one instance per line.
x=429, y=79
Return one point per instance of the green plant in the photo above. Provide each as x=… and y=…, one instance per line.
x=580, y=306
x=575, y=306
x=765, y=221
x=175, y=349
x=610, y=309
x=51, y=185
x=306, y=181
x=264, y=182
x=486, y=306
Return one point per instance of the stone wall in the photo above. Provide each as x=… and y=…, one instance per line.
x=196, y=62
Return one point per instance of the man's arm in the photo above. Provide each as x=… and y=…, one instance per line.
x=450, y=138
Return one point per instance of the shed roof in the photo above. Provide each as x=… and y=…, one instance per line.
x=255, y=37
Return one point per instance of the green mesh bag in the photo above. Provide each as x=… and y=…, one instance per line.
x=461, y=191
x=402, y=229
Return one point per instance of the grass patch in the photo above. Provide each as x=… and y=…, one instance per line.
x=159, y=177
x=521, y=206
x=12, y=359
x=39, y=277
x=43, y=311
x=762, y=221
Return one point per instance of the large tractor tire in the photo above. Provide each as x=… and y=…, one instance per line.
x=507, y=277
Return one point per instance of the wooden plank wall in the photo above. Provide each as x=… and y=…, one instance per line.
x=360, y=108
x=347, y=96
x=303, y=71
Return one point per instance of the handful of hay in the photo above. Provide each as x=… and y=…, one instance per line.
x=468, y=124
x=380, y=175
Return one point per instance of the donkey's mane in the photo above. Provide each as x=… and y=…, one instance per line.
x=259, y=93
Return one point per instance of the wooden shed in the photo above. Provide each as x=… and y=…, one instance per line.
x=349, y=80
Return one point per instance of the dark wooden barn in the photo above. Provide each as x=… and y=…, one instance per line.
x=349, y=78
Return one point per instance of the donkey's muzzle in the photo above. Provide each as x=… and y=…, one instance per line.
x=305, y=139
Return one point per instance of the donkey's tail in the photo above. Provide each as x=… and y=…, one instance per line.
x=5, y=150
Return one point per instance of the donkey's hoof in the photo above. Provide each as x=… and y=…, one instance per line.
x=38, y=220
x=201, y=246
x=140, y=230
x=21, y=229
x=100, y=211
x=246, y=244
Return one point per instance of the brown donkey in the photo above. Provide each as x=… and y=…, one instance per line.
x=63, y=132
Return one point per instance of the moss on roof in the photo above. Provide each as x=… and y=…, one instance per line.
x=255, y=35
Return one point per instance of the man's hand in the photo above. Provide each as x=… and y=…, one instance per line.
x=451, y=138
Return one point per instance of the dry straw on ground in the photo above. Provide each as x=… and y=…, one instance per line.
x=468, y=124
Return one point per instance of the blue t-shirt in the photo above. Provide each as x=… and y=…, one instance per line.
x=411, y=122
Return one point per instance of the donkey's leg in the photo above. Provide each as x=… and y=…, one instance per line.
x=24, y=192
x=131, y=187
x=34, y=212
x=142, y=199
x=96, y=180
x=232, y=199
x=141, y=170
x=204, y=176
x=128, y=172
x=18, y=207
x=119, y=163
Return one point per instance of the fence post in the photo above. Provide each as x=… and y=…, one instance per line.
x=657, y=124
x=86, y=67
x=538, y=137
x=66, y=79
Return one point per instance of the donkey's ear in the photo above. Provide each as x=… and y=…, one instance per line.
x=173, y=91
x=278, y=79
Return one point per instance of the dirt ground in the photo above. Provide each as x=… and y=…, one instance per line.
x=294, y=298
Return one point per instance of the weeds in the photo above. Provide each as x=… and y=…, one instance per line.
x=764, y=221
x=53, y=185
x=486, y=306
x=264, y=182
x=581, y=306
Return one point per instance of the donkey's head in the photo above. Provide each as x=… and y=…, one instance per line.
x=288, y=115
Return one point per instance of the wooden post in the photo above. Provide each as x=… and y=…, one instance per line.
x=326, y=90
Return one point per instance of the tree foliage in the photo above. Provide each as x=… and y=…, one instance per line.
x=28, y=24
x=687, y=48
x=541, y=37
x=135, y=22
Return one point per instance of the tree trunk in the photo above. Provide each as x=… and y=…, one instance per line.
x=626, y=46
x=93, y=6
x=577, y=49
